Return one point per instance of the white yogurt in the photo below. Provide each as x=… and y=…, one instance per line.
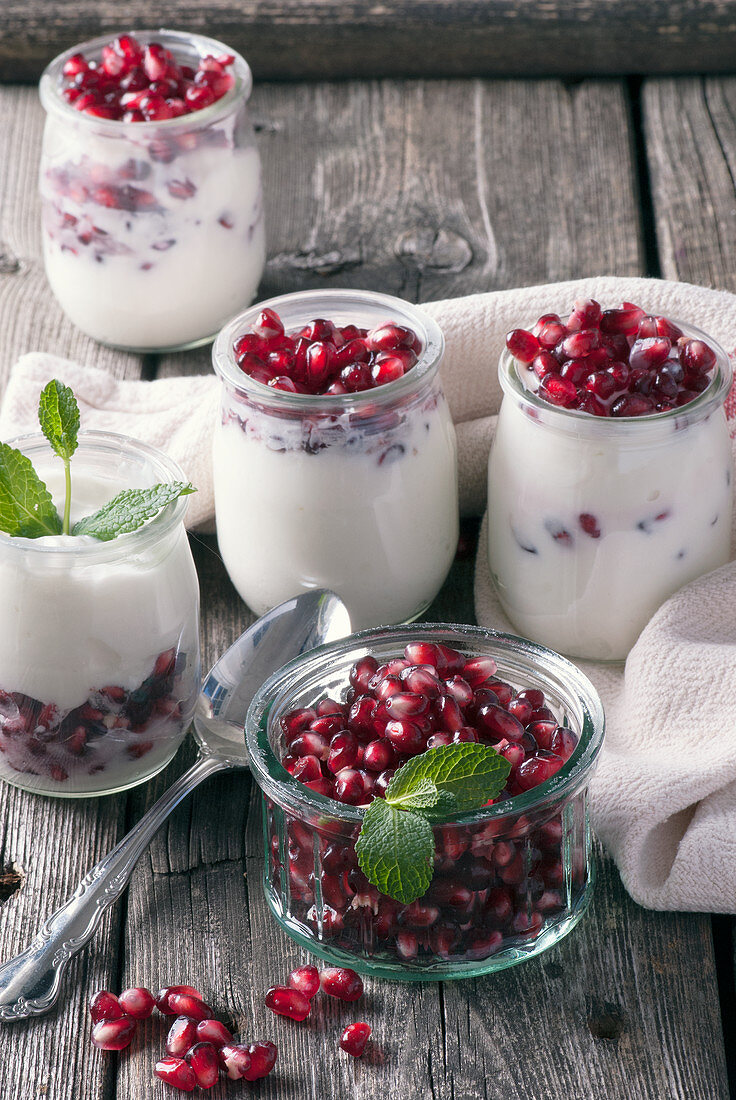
x=153, y=276
x=79, y=617
x=590, y=530
x=371, y=515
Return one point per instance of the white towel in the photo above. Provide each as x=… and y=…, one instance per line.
x=664, y=795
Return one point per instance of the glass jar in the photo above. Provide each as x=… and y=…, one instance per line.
x=354, y=492
x=593, y=522
x=99, y=648
x=510, y=880
x=153, y=232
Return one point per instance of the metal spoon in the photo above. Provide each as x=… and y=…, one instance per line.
x=30, y=983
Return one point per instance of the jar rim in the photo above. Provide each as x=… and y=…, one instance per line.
x=577, y=419
x=433, y=346
x=557, y=672
x=50, y=83
x=112, y=443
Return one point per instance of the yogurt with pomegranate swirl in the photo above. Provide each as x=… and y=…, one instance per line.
x=349, y=489
x=596, y=518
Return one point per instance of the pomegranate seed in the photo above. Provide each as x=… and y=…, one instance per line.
x=206, y=1065
x=349, y=787
x=162, y=997
x=378, y=755
x=354, y=1039
x=478, y=669
x=137, y=1002
x=305, y=979
x=286, y=1001
x=212, y=1031
x=262, y=1060
x=105, y=1006
x=343, y=752
x=537, y=769
x=182, y=1035
x=523, y=345
x=580, y=344
x=184, y=1004
x=176, y=1072
x=405, y=736
x=235, y=1059
x=114, y=1034
x=341, y=982
x=557, y=391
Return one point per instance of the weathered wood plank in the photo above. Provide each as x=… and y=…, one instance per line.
x=690, y=130
x=323, y=39
x=54, y=842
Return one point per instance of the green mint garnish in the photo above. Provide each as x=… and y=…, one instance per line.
x=395, y=847
x=26, y=508
x=130, y=509
x=58, y=415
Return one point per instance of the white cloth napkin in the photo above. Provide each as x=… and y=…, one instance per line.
x=664, y=795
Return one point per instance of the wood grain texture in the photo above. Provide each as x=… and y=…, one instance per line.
x=53, y=841
x=690, y=132
x=323, y=39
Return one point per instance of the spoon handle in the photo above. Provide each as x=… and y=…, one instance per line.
x=30, y=983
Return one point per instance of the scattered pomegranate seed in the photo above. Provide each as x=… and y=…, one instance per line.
x=341, y=982
x=105, y=1006
x=184, y=1004
x=285, y=1001
x=182, y=1035
x=114, y=1034
x=620, y=362
x=137, y=1002
x=263, y=1056
x=212, y=1031
x=206, y=1065
x=305, y=979
x=235, y=1059
x=354, y=1038
x=176, y=1072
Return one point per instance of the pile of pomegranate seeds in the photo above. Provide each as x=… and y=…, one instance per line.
x=294, y=1000
x=197, y=1046
x=615, y=362
x=431, y=696
x=322, y=358
x=136, y=83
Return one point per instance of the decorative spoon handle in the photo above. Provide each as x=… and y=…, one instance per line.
x=30, y=983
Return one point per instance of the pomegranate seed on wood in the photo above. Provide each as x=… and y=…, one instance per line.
x=162, y=997
x=114, y=1034
x=354, y=1038
x=341, y=982
x=305, y=979
x=104, y=1005
x=182, y=1035
x=184, y=1004
x=212, y=1031
x=137, y=1002
x=285, y=1001
x=176, y=1072
x=206, y=1065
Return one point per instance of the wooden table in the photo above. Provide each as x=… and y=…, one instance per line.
x=424, y=189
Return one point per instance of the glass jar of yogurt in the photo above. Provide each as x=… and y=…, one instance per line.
x=99, y=647
x=153, y=231
x=356, y=492
x=593, y=522
x=509, y=880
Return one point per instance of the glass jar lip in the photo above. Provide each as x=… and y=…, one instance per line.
x=276, y=782
x=333, y=299
x=575, y=419
x=113, y=444
x=50, y=84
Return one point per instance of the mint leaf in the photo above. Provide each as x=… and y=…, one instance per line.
x=130, y=509
x=395, y=851
x=58, y=415
x=472, y=774
x=422, y=796
x=26, y=508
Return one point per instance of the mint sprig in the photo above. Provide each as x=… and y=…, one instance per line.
x=26, y=508
x=130, y=509
x=58, y=415
x=395, y=846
